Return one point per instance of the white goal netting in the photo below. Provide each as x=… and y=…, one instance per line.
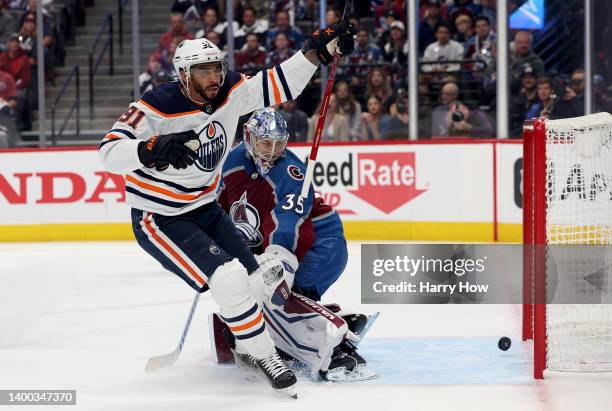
x=579, y=238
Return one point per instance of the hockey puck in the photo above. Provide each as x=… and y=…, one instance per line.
x=504, y=343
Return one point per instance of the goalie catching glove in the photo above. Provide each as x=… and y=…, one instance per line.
x=272, y=281
x=337, y=37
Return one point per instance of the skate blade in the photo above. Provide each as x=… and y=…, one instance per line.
x=290, y=391
x=361, y=373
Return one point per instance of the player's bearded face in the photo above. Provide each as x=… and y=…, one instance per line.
x=206, y=79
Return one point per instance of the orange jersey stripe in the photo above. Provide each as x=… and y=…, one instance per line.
x=185, y=113
x=169, y=193
x=277, y=97
x=171, y=251
x=249, y=324
x=112, y=136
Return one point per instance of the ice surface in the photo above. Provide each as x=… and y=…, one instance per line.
x=86, y=316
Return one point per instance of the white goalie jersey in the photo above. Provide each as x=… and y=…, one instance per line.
x=166, y=110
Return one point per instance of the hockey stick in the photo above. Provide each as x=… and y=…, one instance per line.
x=323, y=114
x=161, y=361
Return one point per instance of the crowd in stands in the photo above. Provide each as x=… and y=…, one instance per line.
x=457, y=50
x=18, y=57
x=457, y=47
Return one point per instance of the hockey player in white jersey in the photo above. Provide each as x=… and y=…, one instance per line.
x=171, y=146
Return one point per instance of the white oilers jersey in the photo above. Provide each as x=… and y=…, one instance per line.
x=166, y=110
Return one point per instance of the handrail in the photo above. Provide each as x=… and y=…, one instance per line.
x=122, y=4
x=108, y=45
x=76, y=105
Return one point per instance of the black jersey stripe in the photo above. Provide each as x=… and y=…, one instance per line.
x=242, y=316
x=264, y=83
x=252, y=334
x=124, y=132
x=283, y=81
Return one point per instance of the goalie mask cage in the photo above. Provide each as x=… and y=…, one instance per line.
x=567, y=202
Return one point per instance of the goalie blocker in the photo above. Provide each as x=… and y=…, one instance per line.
x=309, y=332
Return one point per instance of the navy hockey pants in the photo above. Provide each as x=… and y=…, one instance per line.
x=192, y=245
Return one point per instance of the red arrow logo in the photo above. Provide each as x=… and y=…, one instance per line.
x=386, y=180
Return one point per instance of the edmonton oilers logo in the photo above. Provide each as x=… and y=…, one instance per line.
x=213, y=146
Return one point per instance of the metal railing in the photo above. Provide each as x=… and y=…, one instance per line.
x=121, y=5
x=75, y=106
x=93, y=67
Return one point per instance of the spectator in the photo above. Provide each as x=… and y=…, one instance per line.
x=389, y=8
x=463, y=28
x=336, y=127
x=210, y=22
x=481, y=45
x=384, y=32
x=377, y=84
x=522, y=102
x=168, y=55
x=297, y=121
x=546, y=100
x=370, y=121
x=251, y=25
x=197, y=6
x=16, y=62
x=521, y=55
x=281, y=50
x=463, y=6
x=395, y=125
x=177, y=29
x=215, y=38
x=363, y=53
x=427, y=27
x=252, y=55
x=396, y=51
x=28, y=42
x=443, y=50
x=8, y=25
x=332, y=16
x=8, y=89
x=348, y=107
x=294, y=35
x=8, y=128
x=571, y=103
x=453, y=118
x=602, y=97
x=153, y=67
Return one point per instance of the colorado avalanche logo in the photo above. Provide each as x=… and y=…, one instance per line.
x=213, y=146
x=295, y=172
x=246, y=219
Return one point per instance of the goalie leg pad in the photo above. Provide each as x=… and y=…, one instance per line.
x=306, y=331
x=229, y=286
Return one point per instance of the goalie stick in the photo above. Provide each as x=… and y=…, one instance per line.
x=161, y=361
x=348, y=6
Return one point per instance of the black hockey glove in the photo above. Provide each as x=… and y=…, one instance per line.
x=325, y=41
x=159, y=151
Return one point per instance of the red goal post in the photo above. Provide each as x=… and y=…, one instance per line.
x=567, y=200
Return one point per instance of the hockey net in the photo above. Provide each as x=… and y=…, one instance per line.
x=567, y=223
